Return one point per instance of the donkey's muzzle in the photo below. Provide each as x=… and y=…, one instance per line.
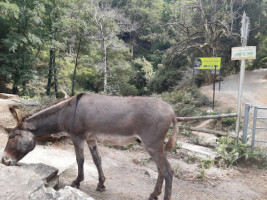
x=6, y=160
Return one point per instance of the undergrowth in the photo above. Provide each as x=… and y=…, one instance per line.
x=186, y=101
x=233, y=155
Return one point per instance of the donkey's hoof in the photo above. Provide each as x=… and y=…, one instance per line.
x=153, y=198
x=75, y=184
x=100, y=188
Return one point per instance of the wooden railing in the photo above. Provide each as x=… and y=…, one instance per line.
x=204, y=130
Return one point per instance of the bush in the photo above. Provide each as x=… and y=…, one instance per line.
x=186, y=101
x=231, y=154
x=164, y=80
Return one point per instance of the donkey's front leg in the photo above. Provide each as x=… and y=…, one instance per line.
x=79, y=147
x=92, y=144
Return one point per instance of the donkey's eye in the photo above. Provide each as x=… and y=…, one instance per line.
x=12, y=136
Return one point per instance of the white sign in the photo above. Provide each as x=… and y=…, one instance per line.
x=244, y=53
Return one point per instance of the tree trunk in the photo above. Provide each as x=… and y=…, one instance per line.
x=131, y=43
x=75, y=68
x=55, y=75
x=50, y=72
x=105, y=66
x=23, y=81
x=15, y=82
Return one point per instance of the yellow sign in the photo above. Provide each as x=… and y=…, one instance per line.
x=208, y=63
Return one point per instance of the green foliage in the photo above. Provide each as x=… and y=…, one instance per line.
x=145, y=46
x=164, y=80
x=120, y=83
x=230, y=123
x=231, y=154
x=206, y=164
x=22, y=20
x=186, y=101
x=191, y=159
x=186, y=132
x=143, y=73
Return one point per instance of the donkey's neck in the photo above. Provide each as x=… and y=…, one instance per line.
x=47, y=121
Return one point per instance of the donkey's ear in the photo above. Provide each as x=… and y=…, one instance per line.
x=15, y=115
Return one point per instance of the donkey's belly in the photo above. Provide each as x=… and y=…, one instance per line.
x=113, y=139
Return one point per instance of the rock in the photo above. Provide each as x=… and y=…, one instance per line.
x=67, y=193
x=53, y=183
x=46, y=172
x=28, y=181
x=198, y=151
x=44, y=193
x=60, y=159
x=17, y=182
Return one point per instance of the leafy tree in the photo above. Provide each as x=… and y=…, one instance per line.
x=56, y=23
x=22, y=18
x=143, y=74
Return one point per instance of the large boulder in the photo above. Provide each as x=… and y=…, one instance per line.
x=17, y=182
x=46, y=173
x=32, y=181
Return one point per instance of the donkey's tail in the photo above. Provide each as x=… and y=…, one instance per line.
x=173, y=137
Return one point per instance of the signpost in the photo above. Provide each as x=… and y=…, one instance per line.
x=209, y=63
x=242, y=53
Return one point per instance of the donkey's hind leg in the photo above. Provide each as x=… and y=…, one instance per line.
x=97, y=160
x=158, y=188
x=165, y=171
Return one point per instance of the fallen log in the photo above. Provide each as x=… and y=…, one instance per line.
x=219, y=116
x=204, y=130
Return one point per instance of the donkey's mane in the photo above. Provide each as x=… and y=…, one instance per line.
x=50, y=108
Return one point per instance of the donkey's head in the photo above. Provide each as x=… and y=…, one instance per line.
x=20, y=142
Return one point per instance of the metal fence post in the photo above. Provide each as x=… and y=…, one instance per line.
x=254, y=127
x=245, y=126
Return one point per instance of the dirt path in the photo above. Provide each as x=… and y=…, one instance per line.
x=254, y=93
x=128, y=180
x=254, y=90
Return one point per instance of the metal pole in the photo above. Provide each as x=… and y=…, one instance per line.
x=193, y=75
x=245, y=127
x=214, y=80
x=220, y=79
x=244, y=36
x=254, y=127
x=241, y=81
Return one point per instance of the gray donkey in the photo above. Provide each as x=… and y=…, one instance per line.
x=90, y=118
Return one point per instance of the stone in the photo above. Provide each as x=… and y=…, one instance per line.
x=198, y=151
x=17, y=182
x=60, y=159
x=53, y=183
x=45, y=172
x=63, y=194
x=28, y=181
